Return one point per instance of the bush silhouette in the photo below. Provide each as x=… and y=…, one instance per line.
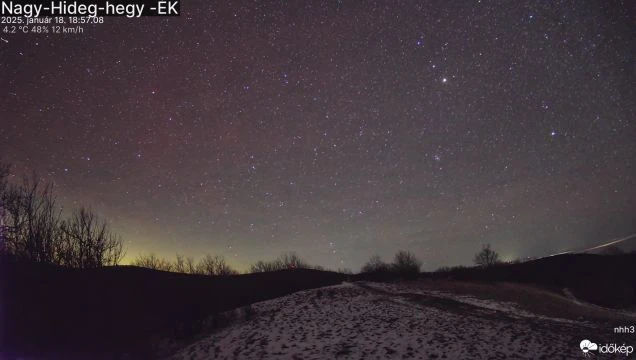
x=406, y=264
x=375, y=265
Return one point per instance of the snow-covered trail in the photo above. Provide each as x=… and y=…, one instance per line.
x=378, y=321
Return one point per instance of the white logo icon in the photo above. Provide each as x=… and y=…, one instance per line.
x=587, y=346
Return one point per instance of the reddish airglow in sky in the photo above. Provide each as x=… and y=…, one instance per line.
x=336, y=129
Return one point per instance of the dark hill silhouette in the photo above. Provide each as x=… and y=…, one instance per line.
x=113, y=311
x=129, y=312
x=605, y=280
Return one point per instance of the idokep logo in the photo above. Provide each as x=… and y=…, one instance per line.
x=587, y=347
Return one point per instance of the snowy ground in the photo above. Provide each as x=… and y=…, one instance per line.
x=380, y=321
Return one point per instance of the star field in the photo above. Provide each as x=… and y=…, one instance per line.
x=337, y=129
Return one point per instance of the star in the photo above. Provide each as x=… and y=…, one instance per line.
x=256, y=127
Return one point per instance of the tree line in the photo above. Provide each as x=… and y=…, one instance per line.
x=32, y=227
x=404, y=264
x=217, y=266
x=407, y=265
x=208, y=265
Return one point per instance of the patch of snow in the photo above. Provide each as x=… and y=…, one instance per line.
x=379, y=321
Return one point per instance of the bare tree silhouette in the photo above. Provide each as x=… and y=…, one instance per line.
x=179, y=264
x=486, y=257
x=287, y=260
x=209, y=265
x=31, y=220
x=151, y=261
x=264, y=266
x=191, y=266
x=5, y=169
x=87, y=241
x=290, y=260
x=31, y=227
x=215, y=266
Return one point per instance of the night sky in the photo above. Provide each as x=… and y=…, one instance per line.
x=337, y=129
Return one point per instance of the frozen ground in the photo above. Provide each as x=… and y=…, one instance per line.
x=380, y=321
